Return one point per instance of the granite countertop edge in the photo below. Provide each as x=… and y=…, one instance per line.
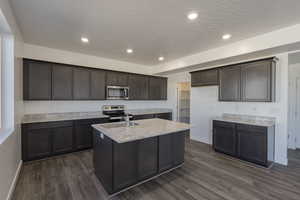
x=241, y=121
x=68, y=116
x=144, y=130
x=140, y=138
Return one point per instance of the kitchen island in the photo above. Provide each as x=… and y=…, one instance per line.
x=126, y=154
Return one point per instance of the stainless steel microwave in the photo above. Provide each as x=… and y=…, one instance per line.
x=117, y=93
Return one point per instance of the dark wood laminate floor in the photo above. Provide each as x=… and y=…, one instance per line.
x=205, y=175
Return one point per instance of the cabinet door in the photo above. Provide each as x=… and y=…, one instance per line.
x=257, y=81
x=224, y=137
x=147, y=157
x=117, y=79
x=165, y=152
x=83, y=136
x=139, y=86
x=98, y=86
x=37, y=80
x=62, y=139
x=205, y=78
x=102, y=158
x=157, y=88
x=81, y=84
x=62, y=82
x=252, y=144
x=167, y=116
x=178, y=147
x=125, y=165
x=230, y=84
x=38, y=144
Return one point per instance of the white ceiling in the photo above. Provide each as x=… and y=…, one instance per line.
x=152, y=28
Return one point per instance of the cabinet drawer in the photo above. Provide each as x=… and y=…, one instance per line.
x=91, y=121
x=43, y=125
x=251, y=128
x=223, y=124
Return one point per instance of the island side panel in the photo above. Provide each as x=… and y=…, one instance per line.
x=103, y=160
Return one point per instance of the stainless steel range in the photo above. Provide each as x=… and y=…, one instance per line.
x=116, y=113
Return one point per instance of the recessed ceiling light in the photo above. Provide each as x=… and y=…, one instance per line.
x=84, y=40
x=226, y=36
x=192, y=16
x=161, y=58
x=129, y=50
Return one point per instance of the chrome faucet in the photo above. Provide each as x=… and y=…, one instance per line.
x=127, y=118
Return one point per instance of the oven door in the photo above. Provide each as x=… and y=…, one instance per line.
x=117, y=92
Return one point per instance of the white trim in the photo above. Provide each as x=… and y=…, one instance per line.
x=14, y=183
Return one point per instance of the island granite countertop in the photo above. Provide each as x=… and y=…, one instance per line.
x=145, y=129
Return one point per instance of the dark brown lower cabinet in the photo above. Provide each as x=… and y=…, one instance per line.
x=139, y=117
x=167, y=116
x=63, y=139
x=121, y=165
x=224, y=137
x=247, y=142
x=41, y=140
x=252, y=144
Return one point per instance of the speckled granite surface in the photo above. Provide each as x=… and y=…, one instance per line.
x=148, y=111
x=50, y=117
x=35, y=118
x=247, y=119
x=145, y=129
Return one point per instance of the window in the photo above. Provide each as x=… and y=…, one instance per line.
x=6, y=85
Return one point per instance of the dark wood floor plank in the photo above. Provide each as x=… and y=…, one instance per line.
x=206, y=175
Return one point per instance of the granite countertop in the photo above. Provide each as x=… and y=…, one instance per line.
x=148, y=111
x=51, y=117
x=248, y=119
x=145, y=129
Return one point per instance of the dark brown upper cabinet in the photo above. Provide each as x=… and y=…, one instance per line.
x=81, y=84
x=62, y=82
x=230, y=83
x=205, y=77
x=117, y=79
x=52, y=81
x=158, y=88
x=37, y=80
x=139, y=87
x=98, y=80
x=258, y=81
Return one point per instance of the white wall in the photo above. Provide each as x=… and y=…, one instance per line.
x=10, y=145
x=294, y=73
x=68, y=57
x=205, y=106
